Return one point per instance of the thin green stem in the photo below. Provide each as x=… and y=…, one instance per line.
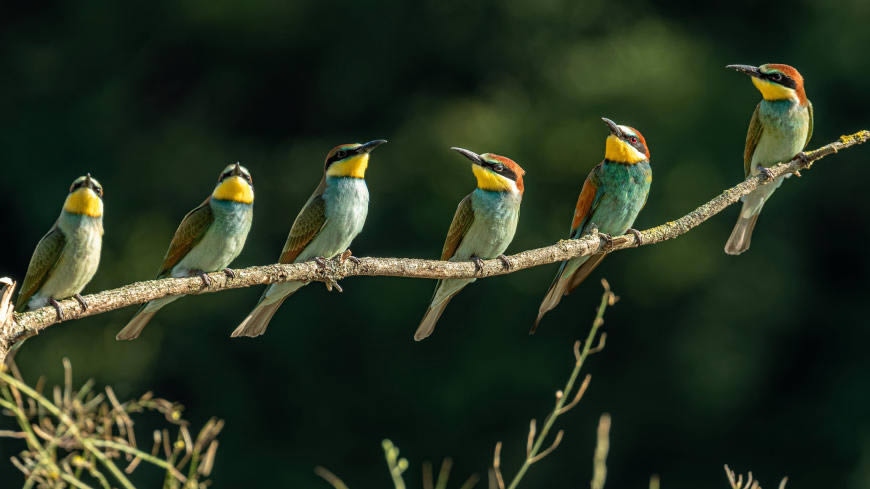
x=140, y=454
x=74, y=481
x=606, y=299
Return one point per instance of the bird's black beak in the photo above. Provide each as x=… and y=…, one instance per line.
x=237, y=170
x=747, y=69
x=614, y=129
x=471, y=155
x=370, y=146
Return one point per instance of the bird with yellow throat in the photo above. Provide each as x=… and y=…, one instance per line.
x=483, y=226
x=612, y=196
x=779, y=130
x=208, y=239
x=328, y=222
x=68, y=256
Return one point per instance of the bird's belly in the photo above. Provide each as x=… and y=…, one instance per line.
x=215, y=251
x=76, y=267
x=495, y=222
x=784, y=133
x=616, y=213
x=346, y=213
x=486, y=239
x=776, y=146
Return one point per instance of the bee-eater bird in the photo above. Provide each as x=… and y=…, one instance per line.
x=331, y=218
x=780, y=129
x=67, y=257
x=613, y=194
x=482, y=228
x=208, y=239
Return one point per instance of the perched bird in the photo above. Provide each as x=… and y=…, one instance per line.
x=613, y=194
x=208, y=239
x=482, y=228
x=331, y=218
x=780, y=129
x=67, y=257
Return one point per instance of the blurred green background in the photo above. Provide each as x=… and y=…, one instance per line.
x=758, y=361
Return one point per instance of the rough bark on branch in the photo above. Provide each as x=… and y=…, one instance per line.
x=16, y=327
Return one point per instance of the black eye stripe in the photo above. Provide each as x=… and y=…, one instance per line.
x=784, y=80
x=504, y=171
x=637, y=144
x=335, y=157
x=83, y=184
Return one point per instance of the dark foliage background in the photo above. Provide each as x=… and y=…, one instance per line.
x=758, y=361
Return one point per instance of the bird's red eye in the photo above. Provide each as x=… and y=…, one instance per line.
x=632, y=139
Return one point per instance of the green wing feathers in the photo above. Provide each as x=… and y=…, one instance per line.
x=753, y=135
x=306, y=226
x=189, y=233
x=44, y=258
x=462, y=220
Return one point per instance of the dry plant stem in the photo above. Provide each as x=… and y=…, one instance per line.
x=32, y=322
x=736, y=480
x=602, y=447
x=329, y=477
x=140, y=454
x=533, y=449
x=87, y=444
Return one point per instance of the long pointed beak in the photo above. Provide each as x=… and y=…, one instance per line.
x=614, y=129
x=371, y=145
x=237, y=170
x=748, y=69
x=471, y=155
x=88, y=179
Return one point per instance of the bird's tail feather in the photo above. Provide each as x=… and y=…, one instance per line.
x=427, y=324
x=143, y=316
x=563, y=285
x=258, y=320
x=741, y=236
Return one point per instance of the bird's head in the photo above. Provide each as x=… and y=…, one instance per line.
x=776, y=81
x=85, y=197
x=235, y=185
x=494, y=172
x=350, y=160
x=624, y=144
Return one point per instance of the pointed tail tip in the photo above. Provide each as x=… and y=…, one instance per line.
x=257, y=321
x=134, y=328
x=430, y=319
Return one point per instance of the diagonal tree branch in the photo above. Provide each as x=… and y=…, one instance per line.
x=16, y=327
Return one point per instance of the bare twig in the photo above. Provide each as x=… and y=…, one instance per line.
x=535, y=439
x=602, y=446
x=736, y=480
x=329, y=477
x=32, y=322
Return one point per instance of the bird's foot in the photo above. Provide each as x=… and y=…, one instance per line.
x=81, y=301
x=229, y=273
x=478, y=263
x=348, y=255
x=765, y=173
x=637, y=236
x=504, y=261
x=608, y=241
x=56, y=306
x=206, y=282
x=321, y=262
